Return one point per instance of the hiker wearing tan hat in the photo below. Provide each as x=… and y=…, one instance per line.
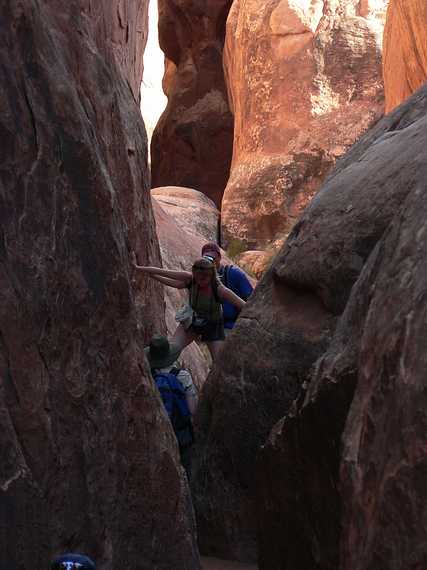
x=179, y=395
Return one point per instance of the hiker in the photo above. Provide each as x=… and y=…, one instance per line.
x=178, y=393
x=72, y=562
x=202, y=318
x=232, y=277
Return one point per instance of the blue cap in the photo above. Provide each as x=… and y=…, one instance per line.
x=72, y=562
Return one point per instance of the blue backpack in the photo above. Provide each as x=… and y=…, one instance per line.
x=173, y=396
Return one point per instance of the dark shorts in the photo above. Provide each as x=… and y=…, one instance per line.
x=210, y=332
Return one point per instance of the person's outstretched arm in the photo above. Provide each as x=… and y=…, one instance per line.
x=228, y=295
x=176, y=283
x=152, y=271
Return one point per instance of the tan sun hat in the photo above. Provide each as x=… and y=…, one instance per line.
x=161, y=352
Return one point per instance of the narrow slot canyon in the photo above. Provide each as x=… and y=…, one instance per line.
x=263, y=165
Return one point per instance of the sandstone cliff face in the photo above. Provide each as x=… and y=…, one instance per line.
x=192, y=143
x=338, y=462
x=304, y=82
x=122, y=27
x=405, y=50
x=87, y=459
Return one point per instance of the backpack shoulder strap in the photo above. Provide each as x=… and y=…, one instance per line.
x=215, y=285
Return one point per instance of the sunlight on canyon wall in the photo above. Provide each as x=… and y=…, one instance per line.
x=153, y=100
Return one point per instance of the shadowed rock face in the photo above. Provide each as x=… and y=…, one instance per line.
x=405, y=50
x=192, y=143
x=288, y=324
x=304, y=82
x=340, y=479
x=87, y=459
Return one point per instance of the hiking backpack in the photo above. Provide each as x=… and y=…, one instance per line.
x=173, y=397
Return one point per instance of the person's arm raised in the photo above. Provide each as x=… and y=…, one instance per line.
x=228, y=295
x=176, y=283
x=184, y=276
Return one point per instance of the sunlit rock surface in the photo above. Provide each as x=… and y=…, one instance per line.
x=304, y=82
x=88, y=461
x=405, y=50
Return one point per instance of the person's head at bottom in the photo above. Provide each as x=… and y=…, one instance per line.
x=72, y=562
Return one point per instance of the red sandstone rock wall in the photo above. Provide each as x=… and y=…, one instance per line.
x=122, y=26
x=341, y=482
x=405, y=50
x=304, y=82
x=87, y=458
x=192, y=143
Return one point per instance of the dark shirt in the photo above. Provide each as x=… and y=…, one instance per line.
x=233, y=278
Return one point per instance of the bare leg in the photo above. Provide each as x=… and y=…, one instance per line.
x=182, y=338
x=215, y=347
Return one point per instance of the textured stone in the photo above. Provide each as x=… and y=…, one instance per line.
x=194, y=212
x=286, y=327
x=299, y=470
x=304, y=82
x=88, y=461
x=255, y=262
x=342, y=480
x=122, y=26
x=405, y=50
x=192, y=143
x=217, y=564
